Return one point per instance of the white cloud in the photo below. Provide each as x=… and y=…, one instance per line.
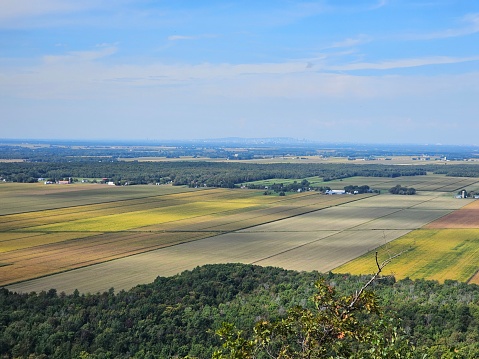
x=18, y=9
x=352, y=41
x=379, y=4
x=77, y=75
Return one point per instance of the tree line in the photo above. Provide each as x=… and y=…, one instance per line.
x=212, y=174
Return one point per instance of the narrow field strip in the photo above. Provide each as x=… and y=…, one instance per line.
x=39, y=239
x=326, y=254
x=137, y=219
x=112, y=207
x=38, y=197
x=11, y=236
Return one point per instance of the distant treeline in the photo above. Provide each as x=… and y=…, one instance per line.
x=89, y=151
x=398, y=189
x=178, y=316
x=212, y=174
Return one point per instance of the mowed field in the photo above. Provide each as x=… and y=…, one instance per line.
x=171, y=232
x=58, y=228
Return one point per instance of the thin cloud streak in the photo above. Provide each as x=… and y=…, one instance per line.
x=472, y=27
x=352, y=41
x=80, y=56
x=403, y=63
x=189, y=37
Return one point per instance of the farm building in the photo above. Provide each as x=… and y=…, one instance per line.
x=335, y=191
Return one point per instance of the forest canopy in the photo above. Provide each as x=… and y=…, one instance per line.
x=179, y=315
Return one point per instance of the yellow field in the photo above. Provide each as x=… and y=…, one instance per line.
x=431, y=254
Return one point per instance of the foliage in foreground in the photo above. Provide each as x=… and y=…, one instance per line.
x=336, y=327
x=178, y=316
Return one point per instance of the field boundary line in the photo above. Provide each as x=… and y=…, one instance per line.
x=472, y=276
x=299, y=246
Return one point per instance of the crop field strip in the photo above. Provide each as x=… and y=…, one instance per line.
x=18, y=221
x=466, y=217
x=37, y=197
x=235, y=221
x=447, y=248
x=437, y=254
x=27, y=254
x=327, y=253
x=39, y=239
x=143, y=218
x=300, y=242
x=421, y=183
x=55, y=257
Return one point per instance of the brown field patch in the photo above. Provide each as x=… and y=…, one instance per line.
x=465, y=217
x=474, y=279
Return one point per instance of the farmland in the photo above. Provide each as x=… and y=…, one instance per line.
x=59, y=228
x=437, y=254
x=121, y=236
x=447, y=248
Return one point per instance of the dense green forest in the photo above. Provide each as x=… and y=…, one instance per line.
x=178, y=316
x=212, y=174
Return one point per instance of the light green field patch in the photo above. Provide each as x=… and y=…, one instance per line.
x=137, y=219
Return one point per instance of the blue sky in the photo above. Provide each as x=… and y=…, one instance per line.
x=379, y=71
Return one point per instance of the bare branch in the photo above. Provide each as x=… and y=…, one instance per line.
x=358, y=294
